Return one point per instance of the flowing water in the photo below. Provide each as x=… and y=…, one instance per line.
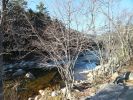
x=85, y=62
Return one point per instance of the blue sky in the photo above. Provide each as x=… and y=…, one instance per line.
x=127, y=4
x=52, y=6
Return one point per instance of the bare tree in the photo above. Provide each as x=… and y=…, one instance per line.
x=120, y=27
x=62, y=45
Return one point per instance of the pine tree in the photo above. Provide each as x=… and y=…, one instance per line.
x=41, y=8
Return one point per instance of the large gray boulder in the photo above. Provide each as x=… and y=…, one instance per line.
x=114, y=92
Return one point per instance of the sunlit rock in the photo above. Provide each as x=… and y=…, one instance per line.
x=42, y=92
x=131, y=76
x=30, y=76
x=54, y=93
x=38, y=97
x=63, y=90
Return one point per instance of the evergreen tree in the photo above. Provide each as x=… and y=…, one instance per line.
x=41, y=8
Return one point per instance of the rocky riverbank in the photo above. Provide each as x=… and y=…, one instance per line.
x=119, y=86
x=37, y=81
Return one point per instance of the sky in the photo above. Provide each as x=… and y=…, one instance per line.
x=53, y=5
x=50, y=4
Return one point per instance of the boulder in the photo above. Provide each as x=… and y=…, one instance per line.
x=130, y=76
x=63, y=90
x=54, y=93
x=29, y=75
x=42, y=92
x=114, y=92
x=19, y=72
x=38, y=97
